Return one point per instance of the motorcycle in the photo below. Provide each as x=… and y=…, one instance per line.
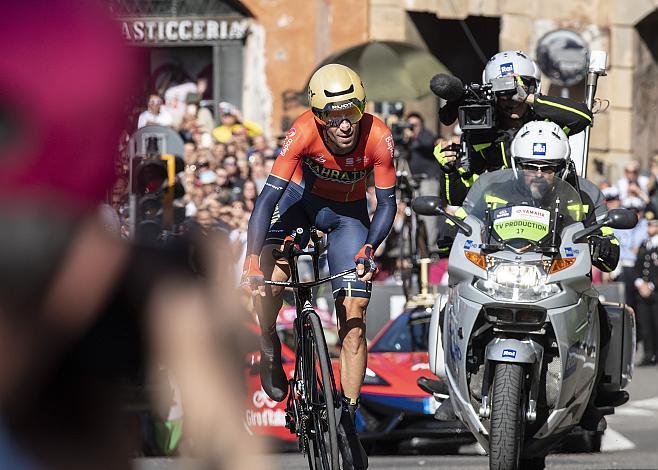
x=528, y=352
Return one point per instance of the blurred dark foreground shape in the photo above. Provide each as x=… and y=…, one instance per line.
x=85, y=318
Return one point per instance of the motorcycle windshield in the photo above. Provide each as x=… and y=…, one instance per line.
x=522, y=206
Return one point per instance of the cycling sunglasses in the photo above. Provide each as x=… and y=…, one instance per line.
x=534, y=167
x=333, y=114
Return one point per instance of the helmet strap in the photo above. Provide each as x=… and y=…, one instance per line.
x=569, y=172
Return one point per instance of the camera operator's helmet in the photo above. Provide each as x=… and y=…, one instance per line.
x=513, y=62
x=336, y=93
x=541, y=145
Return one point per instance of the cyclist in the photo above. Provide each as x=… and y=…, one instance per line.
x=319, y=179
x=490, y=150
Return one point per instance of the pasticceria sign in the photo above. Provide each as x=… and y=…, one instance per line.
x=177, y=31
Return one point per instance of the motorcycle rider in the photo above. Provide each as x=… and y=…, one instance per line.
x=490, y=150
x=541, y=149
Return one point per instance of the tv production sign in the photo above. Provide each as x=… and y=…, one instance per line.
x=149, y=31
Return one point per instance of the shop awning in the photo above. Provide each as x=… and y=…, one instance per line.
x=390, y=70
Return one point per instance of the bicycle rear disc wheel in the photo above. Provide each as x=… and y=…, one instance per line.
x=321, y=395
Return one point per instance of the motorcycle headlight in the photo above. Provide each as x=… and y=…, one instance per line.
x=517, y=282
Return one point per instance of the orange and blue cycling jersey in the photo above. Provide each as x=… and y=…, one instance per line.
x=306, y=161
x=309, y=185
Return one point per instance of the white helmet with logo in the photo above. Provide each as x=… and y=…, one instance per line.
x=512, y=62
x=541, y=142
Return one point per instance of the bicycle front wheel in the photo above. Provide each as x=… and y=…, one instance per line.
x=320, y=390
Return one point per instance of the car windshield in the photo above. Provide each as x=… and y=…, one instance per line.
x=407, y=334
x=524, y=206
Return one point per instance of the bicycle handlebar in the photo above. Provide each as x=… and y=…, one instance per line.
x=291, y=250
x=297, y=285
x=291, y=246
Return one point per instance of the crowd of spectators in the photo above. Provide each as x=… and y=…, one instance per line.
x=638, y=263
x=227, y=161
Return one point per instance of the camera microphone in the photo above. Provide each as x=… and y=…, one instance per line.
x=451, y=89
x=448, y=87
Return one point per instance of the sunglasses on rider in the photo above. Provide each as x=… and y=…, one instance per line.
x=534, y=167
x=333, y=114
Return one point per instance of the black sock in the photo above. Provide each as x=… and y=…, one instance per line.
x=349, y=404
x=268, y=338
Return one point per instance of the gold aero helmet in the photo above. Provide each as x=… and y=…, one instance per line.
x=336, y=93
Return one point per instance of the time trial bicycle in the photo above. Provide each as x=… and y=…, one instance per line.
x=313, y=407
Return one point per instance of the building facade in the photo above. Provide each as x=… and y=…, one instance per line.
x=627, y=125
x=259, y=54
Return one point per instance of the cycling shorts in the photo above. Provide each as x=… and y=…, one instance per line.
x=345, y=223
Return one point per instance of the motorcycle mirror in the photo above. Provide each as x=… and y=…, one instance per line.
x=621, y=219
x=427, y=205
x=616, y=218
x=431, y=205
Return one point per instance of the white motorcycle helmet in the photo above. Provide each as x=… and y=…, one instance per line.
x=541, y=143
x=513, y=62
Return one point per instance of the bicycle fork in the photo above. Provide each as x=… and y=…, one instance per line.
x=296, y=407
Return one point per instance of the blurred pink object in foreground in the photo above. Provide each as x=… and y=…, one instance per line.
x=64, y=75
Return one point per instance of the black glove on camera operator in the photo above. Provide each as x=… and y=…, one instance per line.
x=491, y=114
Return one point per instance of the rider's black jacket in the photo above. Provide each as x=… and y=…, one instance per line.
x=490, y=151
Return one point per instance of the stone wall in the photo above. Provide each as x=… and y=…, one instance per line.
x=298, y=35
x=608, y=25
x=645, y=91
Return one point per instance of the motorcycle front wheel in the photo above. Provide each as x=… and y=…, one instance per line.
x=507, y=417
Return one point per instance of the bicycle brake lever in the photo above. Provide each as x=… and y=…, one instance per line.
x=284, y=253
x=297, y=236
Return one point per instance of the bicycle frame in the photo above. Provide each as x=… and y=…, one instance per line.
x=304, y=308
x=299, y=405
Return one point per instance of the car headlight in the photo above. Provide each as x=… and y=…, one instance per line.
x=517, y=282
x=371, y=378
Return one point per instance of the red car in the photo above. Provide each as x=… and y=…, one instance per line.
x=394, y=410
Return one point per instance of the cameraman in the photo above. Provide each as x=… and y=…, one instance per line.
x=489, y=150
x=419, y=141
